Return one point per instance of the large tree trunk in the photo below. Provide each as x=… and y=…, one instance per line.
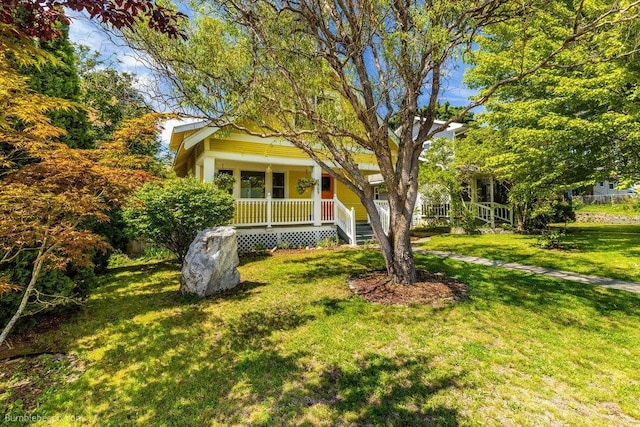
x=396, y=244
x=522, y=212
x=396, y=247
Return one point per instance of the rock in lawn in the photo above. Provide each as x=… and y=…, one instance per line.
x=211, y=263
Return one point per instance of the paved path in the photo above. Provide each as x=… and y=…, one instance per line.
x=558, y=274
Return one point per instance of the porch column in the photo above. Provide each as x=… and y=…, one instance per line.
x=269, y=210
x=208, y=168
x=316, y=174
x=493, y=211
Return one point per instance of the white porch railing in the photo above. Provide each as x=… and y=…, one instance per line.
x=270, y=211
x=503, y=213
x=482, y=212
x=383, y=210
x=291, y=211
x=327, y=210
x=250, y=212
x=492, y=212
x=436, y=211
x=486, y=212
x=346, y=220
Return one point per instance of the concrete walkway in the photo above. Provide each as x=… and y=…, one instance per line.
x=557, y=274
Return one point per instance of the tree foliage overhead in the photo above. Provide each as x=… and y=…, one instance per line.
x=329, y=76
x=40, y=19
x=573, y=122
x=110, y=96
x=61, y=80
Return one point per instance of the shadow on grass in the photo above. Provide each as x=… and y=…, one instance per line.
x=165, y=373
x=150, y=266
x=166, y=359
x=334, y=263
x=380, y=390
x=544, y=296
x=249, y=258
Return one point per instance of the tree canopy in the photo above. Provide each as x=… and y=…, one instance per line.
x=330, y=76
x=571, y=123
x=111, y=96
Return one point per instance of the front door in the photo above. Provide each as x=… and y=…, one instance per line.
x=326, y=185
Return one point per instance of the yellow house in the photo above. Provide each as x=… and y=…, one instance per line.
x=268, y=208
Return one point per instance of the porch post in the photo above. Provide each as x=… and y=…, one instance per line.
x=197, y=172
x=493, y=212
x=268, y=210
x=208, y=166
x=316, y=174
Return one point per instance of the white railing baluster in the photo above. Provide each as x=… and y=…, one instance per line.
x=383, y=210
x=346, y=220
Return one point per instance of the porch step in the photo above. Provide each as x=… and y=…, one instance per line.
x=364, y=233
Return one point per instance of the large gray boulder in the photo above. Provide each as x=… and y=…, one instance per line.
x=211, y=263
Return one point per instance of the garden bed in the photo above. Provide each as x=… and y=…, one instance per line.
x=431, y=289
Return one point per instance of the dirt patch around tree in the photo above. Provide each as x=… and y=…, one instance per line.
x=432, y=289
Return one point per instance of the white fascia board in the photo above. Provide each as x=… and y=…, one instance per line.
x=375, y=179
x=189, y=126
x=191, y=141
x=255, y=158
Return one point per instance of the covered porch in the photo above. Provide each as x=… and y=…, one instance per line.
x=485, y=197
x=266, y=196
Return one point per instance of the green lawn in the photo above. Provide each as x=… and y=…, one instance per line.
x=627, y=209
x=293, y=347
x=603, y=250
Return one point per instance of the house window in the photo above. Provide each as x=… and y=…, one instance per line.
x=376, y=193
x=602, y=184
x=611, y=186
x=277, y=185
x=252, y=185
x=227, y=172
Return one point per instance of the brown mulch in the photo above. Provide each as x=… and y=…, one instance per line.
x=432, y=289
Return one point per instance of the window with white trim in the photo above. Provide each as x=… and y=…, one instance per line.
x=277, y=185
x=252, y=185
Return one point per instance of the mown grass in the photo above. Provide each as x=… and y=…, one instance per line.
x=602, y=250
x=292, y=346
x=623, y=208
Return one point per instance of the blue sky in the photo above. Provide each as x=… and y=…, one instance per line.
x=86, y=32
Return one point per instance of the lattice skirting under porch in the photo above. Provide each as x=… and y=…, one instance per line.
x=250, y=239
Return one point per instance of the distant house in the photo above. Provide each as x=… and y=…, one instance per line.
x=268, y=208
x=486, y=196
x=608, y=188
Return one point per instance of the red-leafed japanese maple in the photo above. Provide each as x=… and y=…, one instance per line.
x=40, y=18
x=50, y=194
